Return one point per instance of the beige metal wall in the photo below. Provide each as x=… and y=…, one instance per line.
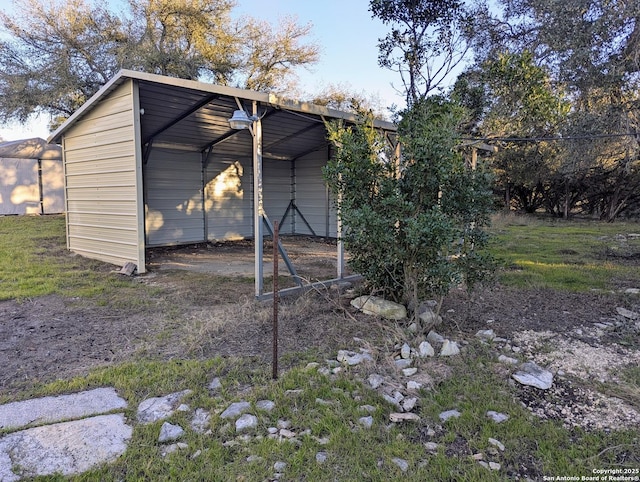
x=312, y=197
x=173, y=194
x=102, y=179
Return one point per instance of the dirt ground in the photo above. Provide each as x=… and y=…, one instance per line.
x=187, y=312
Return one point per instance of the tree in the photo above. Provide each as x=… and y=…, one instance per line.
x=513, y=98
x=56, y=55
x=591, y=50
x=428, y=39
x=414, y=224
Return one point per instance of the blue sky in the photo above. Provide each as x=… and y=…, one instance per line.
x=345, y=32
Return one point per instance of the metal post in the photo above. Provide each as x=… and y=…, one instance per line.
x=258, y=207
x=275, y=301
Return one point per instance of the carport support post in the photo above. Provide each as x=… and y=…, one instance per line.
x=258, y=206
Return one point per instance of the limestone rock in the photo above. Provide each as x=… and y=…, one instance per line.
x=429, y=319
x=407, y=372
x=236, y=409
x=402, y=363
x=486, y=335
x=266, y=405
x=449, y=348
x=508, y=360
x=352, y=358
x=246, y=422
x=61, y=407
x=425, y=349
x=373, y=305
x=68, y=448
x=533, y=375
x=159, y=408
x=497, y=416
x=169, y=432
x=401, y=463
x=200, y=421
x=321, y=457
x=434, y=338
x=631, y=315
x=375, y=380
x=404, y=417
x=497, y=443
x=366, y=422
x=405, y=351
x=215, y=385
x=446, y=415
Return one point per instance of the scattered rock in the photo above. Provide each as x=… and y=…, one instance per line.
x=200, y=421
x=497, y=443
x=321, y=457
x=632, y=291
x=425, y=349
x=508, y=360
x=351, y=358
x=266, y=405
x=444, y=416
x=449, y=348
x=405, y=351
x=409, y=403
x=497, y=416
x=367, y=408
x=404, y=417
x=158, y=408
x=486, y=335
x=169, y=432
x=403, y=363
x=375, y=380
x=279, y=466
x=631, y=315
x=428, y=318
x=431, y=447
x=215, y=385
x=407, y=372
x=373, y=305
x=413, y=385
x=246, y=422
x=532, y=374
x=236, y=409
x=286, y=433
x=366, y=422
x=401, y=463
x=494, y=466
x=254, y=458
x=434, y=338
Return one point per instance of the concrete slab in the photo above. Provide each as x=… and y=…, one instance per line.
x=67, y=448
x=62, y=407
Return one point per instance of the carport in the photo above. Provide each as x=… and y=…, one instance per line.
x=153, y=161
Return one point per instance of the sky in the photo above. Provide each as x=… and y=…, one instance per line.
x=344, y=30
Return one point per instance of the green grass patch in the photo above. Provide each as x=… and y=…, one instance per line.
x=35, y=262
x=324, y=412
x=571, y=256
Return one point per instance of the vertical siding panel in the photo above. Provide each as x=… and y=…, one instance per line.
x=229, y=199
x=312, y=197
x=277, y=185
x=174, y=211
x=99, y=153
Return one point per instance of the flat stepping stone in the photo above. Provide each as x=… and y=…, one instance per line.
x=68, y=448
x=40, y=411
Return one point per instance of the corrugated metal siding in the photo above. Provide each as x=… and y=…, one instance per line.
x=311, y=197
x=19, y=191
x=101, y=186
x=52, y=187
x=277, y=189
x=229, y=196
x=173, y=190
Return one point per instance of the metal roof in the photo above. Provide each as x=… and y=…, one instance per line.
x=194, y=115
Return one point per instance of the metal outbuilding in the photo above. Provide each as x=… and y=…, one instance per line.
x=152, y=161
x=31, y=180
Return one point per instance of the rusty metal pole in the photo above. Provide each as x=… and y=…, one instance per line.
x=275, y=300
